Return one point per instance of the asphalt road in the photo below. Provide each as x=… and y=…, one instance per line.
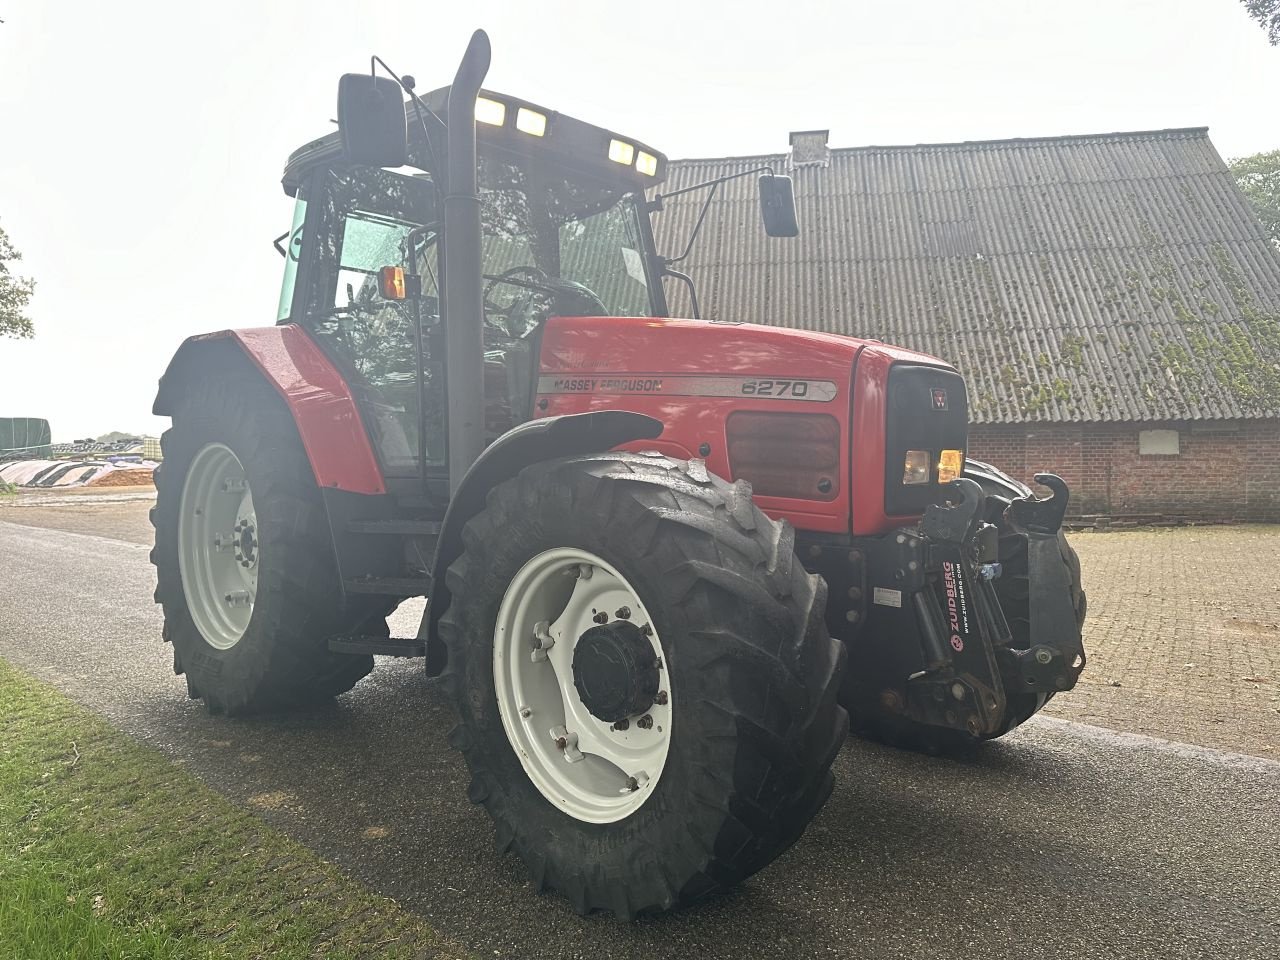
x=1061, y=841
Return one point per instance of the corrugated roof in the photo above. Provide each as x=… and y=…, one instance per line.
x=1087, y=278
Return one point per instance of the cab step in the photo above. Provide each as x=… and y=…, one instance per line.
x=388, y=586
x=379, y=646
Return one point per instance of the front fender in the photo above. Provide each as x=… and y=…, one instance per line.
x=547, y=438
x=316, y=394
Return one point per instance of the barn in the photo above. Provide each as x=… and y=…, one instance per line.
x=1111, y=299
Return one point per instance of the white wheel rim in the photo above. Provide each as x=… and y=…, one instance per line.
x=218, y=546
x=585, y=766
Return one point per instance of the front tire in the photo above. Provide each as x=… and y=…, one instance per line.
x=244, y=566
x=749, y=724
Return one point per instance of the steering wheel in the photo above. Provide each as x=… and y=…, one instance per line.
x=576, y=297
x=514, y=277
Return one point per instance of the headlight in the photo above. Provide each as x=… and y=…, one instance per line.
x=493, y=112
x=621, y=152
x=531, y=122
x=917, y=468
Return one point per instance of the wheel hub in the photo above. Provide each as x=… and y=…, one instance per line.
x=615, y=670
x=582, y=687
x=246, y=543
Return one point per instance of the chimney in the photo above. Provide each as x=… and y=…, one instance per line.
x=809, y=148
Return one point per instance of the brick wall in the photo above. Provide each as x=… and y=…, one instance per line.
x=1223, y=470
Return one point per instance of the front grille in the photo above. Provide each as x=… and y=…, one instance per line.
x=928, y=409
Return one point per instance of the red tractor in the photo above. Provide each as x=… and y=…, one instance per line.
x=649, y=544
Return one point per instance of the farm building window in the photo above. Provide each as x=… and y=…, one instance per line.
x=1158, y=443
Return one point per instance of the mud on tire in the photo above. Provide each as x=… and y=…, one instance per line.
x=753, y=672
x=282, y=660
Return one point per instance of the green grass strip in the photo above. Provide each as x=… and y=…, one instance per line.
x=109, y=851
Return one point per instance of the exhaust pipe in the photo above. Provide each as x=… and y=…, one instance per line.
x=463, y=310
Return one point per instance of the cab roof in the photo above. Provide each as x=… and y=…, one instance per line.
x=575, y=144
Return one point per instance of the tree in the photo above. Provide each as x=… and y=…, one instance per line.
x=1259, y=179
x=1267, y=13
x=15, y=293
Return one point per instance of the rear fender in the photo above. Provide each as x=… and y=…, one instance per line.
x=548, y=438
x=316, y=394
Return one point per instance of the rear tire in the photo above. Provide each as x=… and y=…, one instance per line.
x=873, y=722
x=281, y=658
x=752, y=673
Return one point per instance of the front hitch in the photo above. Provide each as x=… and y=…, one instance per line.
x=1042, y=516
x=1055, y=657
x=973, y=674
x=954, y=524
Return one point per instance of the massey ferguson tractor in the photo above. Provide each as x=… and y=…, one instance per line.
x=668, y=562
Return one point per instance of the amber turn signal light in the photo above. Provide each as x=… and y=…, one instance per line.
x=950, y=465
x=391, y=283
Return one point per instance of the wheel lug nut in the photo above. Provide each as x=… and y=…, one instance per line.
x=601, y=618
x=645, y=722
x=647, y=630
x=633, y=784
x=624, y=613
x=542, y=639
x=661, y=698
x=622, y=724
x=526, y=713
x=562, y=742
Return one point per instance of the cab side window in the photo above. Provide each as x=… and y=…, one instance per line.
x=371, y=218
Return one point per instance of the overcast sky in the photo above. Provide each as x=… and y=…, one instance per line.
x=141, y=144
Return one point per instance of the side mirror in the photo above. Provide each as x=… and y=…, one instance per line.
x=371, y=121
x=778, y=206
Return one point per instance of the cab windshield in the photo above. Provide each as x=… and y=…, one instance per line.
x=541, y=226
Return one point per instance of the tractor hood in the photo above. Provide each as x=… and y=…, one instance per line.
x=785, y=408
x=707, y=348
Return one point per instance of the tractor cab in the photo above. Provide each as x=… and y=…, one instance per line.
x=564, y=231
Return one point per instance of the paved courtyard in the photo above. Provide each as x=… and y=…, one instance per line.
x=1183, y=635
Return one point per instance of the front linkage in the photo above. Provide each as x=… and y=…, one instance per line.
x=934, y=647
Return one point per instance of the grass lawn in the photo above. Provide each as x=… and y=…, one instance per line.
x=109, y=851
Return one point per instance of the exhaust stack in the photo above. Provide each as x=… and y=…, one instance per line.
x=463, y=310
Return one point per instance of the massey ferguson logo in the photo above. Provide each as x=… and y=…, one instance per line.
x=939, y=398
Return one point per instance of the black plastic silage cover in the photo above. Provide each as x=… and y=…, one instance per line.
x=30, y=435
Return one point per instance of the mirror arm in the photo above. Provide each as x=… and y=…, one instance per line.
x=688, y=247
x=688, y=282
x=656, y=202
x=407, y=84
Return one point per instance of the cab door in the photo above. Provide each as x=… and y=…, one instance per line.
x=363, y=219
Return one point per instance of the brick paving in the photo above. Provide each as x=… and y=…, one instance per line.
x=1183, y=635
